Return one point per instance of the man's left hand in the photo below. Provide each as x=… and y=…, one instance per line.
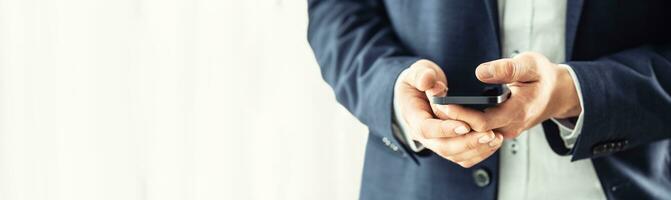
x=539, y=89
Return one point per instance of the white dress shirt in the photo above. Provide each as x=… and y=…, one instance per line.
x=528, y=168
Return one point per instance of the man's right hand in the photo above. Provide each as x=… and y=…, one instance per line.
x=451, y=139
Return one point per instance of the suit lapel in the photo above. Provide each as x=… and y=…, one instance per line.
x=573, y=10
x=493, y=13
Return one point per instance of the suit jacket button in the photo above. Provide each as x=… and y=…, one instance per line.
x=386, y=141
x=393, y=147
x=599, y=149
x=481, y=177
x=619, y=146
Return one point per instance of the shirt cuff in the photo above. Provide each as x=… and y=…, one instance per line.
x=568, y=130
x=401, y=128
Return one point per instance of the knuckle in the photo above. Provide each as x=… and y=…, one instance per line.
x=407, y=75
x=528, y=54
x=423, y=64
x=477, y=122
x=477, y=159
x=418, y=64
x=454, y=159
x=533, y=54
x=445, y=153
x=442, y=152
x=511, y=133
x=466, y=164
x=480, y=127
x=486, y=149
x=450, y=158
x=513, y=71
x=508, y=134
x=490, y=150
x=480, y=124
x=472, y=144
x=506, y=70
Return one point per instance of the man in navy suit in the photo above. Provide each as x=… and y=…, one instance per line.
x=588, y=114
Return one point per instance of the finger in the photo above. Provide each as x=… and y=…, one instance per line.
x=435, y=128
x=415, y=112
x=477, y=159
x=509, y=70
x=481, y=151
x=516, y=128
x=439, y=90
x=424, y=74
x=454, y=145
x=504, y=114
x=509, y=132
x=474, y=118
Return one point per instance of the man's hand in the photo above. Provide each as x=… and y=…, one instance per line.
x=448, y=138
x=539, y=89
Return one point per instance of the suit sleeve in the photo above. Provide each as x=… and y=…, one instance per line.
x=360, y=57
x=627, y=100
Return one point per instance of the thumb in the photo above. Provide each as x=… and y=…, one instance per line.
x=510, y=70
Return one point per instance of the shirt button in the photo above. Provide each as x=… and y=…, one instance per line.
x=481, y=177
x=514, y=53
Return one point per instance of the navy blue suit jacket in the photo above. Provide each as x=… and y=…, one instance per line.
x=619, y=50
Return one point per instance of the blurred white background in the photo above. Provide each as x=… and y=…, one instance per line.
x=161, y=100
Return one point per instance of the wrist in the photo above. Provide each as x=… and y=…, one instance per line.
x=566, y=94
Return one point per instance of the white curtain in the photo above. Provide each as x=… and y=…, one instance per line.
x=161, y=100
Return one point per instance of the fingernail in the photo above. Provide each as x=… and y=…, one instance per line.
x=483, y=71
x=496, y=142
x=484, y=139
x=461, y=130
x=493, y=143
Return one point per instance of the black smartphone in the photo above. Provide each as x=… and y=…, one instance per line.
x=489, y=96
